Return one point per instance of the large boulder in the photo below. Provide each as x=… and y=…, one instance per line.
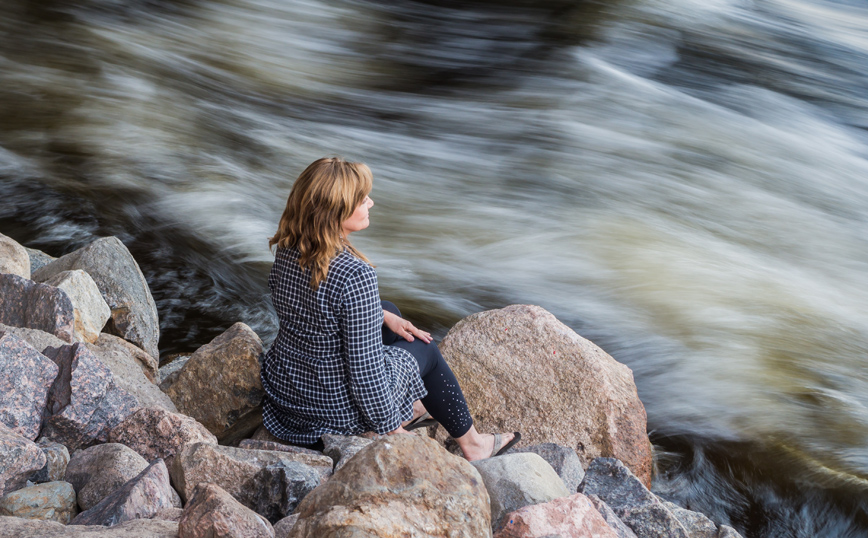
x=98, y=471
x=220, y=385
x=25, y=303
x=573, y=517
x=19, y=457
x=563, y=460
x=140, y=498
x=84, y=403
x=13, y=527
x=213, y=513
x=128, y=374
x=90, y=310
x=517, y=480
x=401, y=485
x=25, y=379
x=522, y=369
x=56, y=460
x=123, y=286
x=13, y=258
x=111, y=343
x=154, y=433
x=53, y=501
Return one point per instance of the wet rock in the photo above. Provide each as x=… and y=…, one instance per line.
x=169, y=373
x=696, y=524
x=398, y=486
x=517, y=480
x=115, y=344
x=38, y=259
x=13, y=258
x=90, y=310
x=25, y=379
x=52, y=501
x=19, y=457
x=13, y=527
x=140, y=498
x=129, y=376
x=123, y=286
x=98, y=471
x=622, y=530
x=84, y=403
x=56, y=460
x=522, y=369
x=283, y=527
x=220, y=385
x=25, y=303
x=340, y=448
x=156, y=433
x=572, y=516
x=213, y=512
x=563, y=460
x=638, y=508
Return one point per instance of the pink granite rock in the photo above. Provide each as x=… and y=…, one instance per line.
x=156, y=433
x=213, y=513
x=25, y=303
x=19, y=457
x=566, y=517
x=97, y=471
x=25, y=378
x=13, y=527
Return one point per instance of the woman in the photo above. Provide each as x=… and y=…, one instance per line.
x=329, y=370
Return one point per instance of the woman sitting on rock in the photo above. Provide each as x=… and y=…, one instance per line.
x=344, y=362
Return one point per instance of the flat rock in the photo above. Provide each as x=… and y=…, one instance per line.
x=13, y=527
x=25, y=379
x=38, y=259
x=123, y=286
x=517, y=480
x=154, y=433
x=220, y=385
x=638, y=508
x=340, y=448
x=129, y=376
x=563, y=460
x=622, y=530
x=19, y=457
x=213, y=512
x=140, y=498
x=522, y=369
x=56, y=460
x=25, y=303
x=567, y=517
x=13, y=258
x=98, y=471
x=84, y=403
x=90, y=310
x=111, y=343
x=52, y=501
x=402, y=485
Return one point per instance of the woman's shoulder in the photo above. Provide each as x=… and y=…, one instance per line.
x=346, y=263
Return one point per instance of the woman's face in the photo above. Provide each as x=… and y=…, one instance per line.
x=359, y=219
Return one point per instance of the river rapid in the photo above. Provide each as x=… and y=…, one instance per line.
x=685, y=182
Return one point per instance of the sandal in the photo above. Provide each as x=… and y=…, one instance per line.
x=422, y=421
x=498, y=450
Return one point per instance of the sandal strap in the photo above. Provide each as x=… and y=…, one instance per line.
x=498, y=441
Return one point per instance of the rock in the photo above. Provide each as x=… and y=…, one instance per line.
x=169, y=514
x=563, y=460
x=90, y=310
x=728, y=532
x=517, y=480
x=283, y=527
x=98, y=471
x=56, y=460
x=340, y=448
x=169, y=373
x=36, y=338
x=220, y=385
x=156, y=433
x=84, y=403
x=129, y=376
x=123, y=286
x=53, y=501
x=522, y=369
x=19, y=457
x=573, y=517
x=115, y=344
x=24, y=303
x=140, y=498
x=402, y=485
x=214, y=513
x=38, y=259
x=25, y=379
x=638, y=508
x=277, y=489
x=13, y=258
x=696, y=524
x=233, y=469
x=13, y=527
x=255, y=444
x=622, y=530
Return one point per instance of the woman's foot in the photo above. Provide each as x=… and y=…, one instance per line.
x=478, y=446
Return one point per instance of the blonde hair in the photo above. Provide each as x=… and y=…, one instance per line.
x=322, y=198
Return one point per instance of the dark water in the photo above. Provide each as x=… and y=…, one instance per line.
x=683, y=182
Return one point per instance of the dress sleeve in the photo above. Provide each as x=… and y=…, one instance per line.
x=361, y=328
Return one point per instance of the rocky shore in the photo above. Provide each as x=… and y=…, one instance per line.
x=97, y=440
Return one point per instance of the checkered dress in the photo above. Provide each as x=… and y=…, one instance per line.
x=328, y=370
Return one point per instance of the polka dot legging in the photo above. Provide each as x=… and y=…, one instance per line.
x=444, y=401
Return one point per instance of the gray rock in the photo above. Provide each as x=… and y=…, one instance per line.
x=90, y=310
x=154, y=433
x=517, y=480
x=13, y=527
x=631, y=501
x=25, y=303
x=728, y=532
x=341, y=448
x=53, y=501
x=25, y=379
x=57, y=458
x=563, y=459
x=276, y=490
x=622, y=530
x=38, y=259
x=98, y=471
x=123, y=286
x=36, y=338
x=140, y=498
x=170, y=372
x=129, y=375
x=13, y=258
x=697, y=525
x=283, y=527
x=19, y=457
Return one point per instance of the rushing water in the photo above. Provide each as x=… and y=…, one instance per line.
x=685, y=182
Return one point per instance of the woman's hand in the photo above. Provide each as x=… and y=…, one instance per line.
x=404, y=328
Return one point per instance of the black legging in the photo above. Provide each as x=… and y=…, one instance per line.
x=444, y=401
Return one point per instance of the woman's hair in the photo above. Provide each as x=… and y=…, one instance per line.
x=322, y=198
